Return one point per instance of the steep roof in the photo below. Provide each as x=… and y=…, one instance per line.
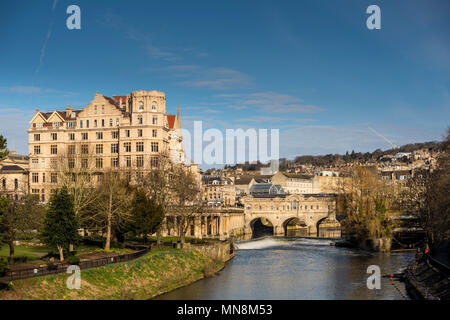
x=171, y=120
x=9, y=168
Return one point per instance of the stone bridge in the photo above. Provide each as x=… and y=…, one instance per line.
x=315, y=214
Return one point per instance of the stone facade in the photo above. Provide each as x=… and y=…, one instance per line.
x=309, y=210
x=14, y=175
x=126, y=132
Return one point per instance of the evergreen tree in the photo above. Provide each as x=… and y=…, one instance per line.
x=3, y=150
x=60, y=225
x=147, y=215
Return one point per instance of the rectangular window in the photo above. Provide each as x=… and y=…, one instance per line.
x=99, y=163
x=99, y=135
x=81, y=123
x=114, y=148
x=37, y=137
x=95, y=109
x=127, y=161
x=71, y=163
x=35, y=177
x=127, y=133
x=99, y=148
x=114, y=162
x=154, y=146
x=139, y=119
x=110, y=122
x=95, y=123
x=139, y=161
x=87, y=123
x=154, y=133
x=115, y=134
x=43, y=178
x=103, y=108
x=153, y=162
x=139, y=132
x=56, y=124
x=139, y=147
x=34, y=163
x=103, y=122
x=84, y=163
x=54, y=136
x=84, y=149
x=54, y=149
x=127, y=147
x=72, y=136
x=54, y=177
x=84, y=136
x=155, y=120
x=37, y=149
x=117, y=122
x=71, y=149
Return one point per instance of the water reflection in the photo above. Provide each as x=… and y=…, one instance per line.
x=299, y=269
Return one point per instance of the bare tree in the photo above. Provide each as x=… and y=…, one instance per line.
x=75, y=170
x=364, y=201
x=156, y=183
x=112, y=208
x=187, y=202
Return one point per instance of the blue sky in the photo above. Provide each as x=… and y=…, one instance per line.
x=310, y=68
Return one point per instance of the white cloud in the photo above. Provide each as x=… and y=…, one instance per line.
x=271, y=102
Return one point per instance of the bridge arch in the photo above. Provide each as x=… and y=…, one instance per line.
x=260, y=226
x=295, y=226
x=328, y=228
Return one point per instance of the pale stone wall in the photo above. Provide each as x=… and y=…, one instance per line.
x=136, y=129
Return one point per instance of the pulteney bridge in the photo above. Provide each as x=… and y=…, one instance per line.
x=314, y=214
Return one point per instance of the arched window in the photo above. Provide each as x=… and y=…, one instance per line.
x=154, y=106
x=141, y=105
x=294, y=204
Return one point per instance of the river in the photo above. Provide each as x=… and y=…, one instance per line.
x=298, y=268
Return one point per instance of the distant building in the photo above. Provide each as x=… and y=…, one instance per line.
x=266, y=190
x=14, y=175
x=218, y=191
x=293, y=183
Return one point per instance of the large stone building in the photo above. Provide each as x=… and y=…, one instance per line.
x=127, y=132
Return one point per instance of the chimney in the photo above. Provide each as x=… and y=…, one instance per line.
x=37, y=110
x=68, y=111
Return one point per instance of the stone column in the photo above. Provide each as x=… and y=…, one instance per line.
x=221, y=228
x=197, y=228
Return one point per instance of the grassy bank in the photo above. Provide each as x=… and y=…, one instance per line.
x=157, y=272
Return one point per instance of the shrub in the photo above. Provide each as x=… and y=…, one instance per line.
x=72, y=259
x=4, y=266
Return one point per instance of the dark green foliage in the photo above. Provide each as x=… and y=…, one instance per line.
x=146, y=215
x=73, y=259
x=60, y=227
x=4, y=266
x=3, y=151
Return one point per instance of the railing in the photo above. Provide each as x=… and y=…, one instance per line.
x=60, y=268
x=440, y=266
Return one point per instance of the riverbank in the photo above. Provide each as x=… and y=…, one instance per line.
x=155, y=273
